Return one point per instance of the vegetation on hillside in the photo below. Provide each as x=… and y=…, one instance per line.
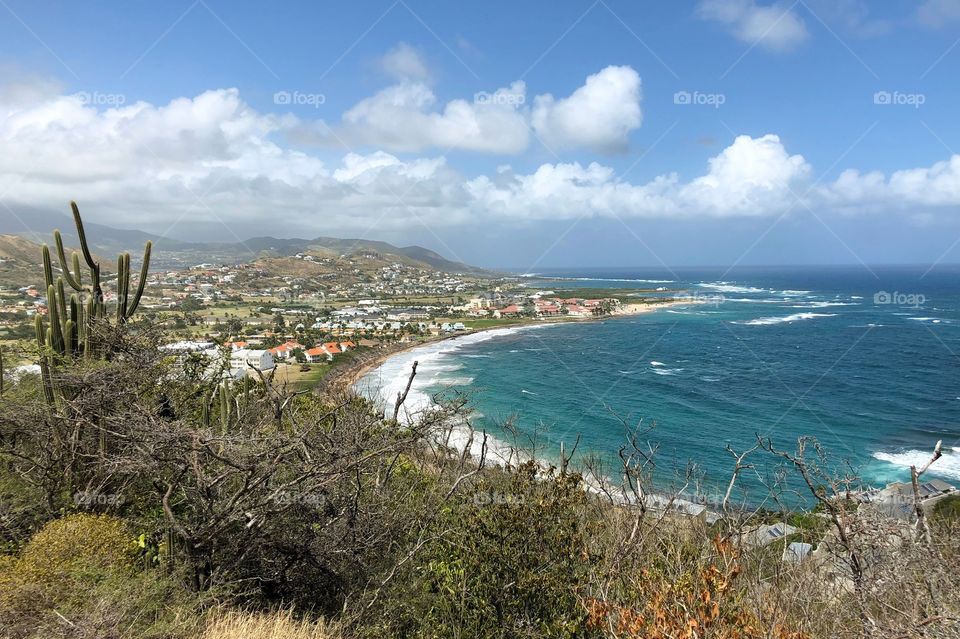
x=143, y=497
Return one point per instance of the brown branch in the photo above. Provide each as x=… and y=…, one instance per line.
x=402, y=397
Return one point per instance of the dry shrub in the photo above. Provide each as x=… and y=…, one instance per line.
x=232, y=624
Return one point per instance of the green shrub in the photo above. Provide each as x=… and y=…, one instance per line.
x=509, y=559
x=62, y=562
x=947, y=509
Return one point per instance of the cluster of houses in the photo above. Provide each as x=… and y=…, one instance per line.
x=536, y=305
x=319, y=353
x=898, y=501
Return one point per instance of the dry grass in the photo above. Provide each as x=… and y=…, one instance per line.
x=275, y=625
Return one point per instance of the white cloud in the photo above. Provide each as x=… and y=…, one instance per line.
x=934, y=187
x=752, y=177
x=599, y=115
x=213, y=157
x=776, y=27
x=407, y=117
x=403, y=118
x=403, y=62
x=938, y=13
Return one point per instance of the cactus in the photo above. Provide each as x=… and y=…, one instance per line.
x=70, y=333
x=226, y=400
x=246, y=392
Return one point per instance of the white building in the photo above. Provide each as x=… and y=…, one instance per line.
x=245, y=359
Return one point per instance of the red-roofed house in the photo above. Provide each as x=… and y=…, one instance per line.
x=284, y=350
x=316, y=354
x=513, y=309
x=331, y=347
x=575, y=310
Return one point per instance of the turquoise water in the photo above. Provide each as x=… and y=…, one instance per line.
x=783, y=352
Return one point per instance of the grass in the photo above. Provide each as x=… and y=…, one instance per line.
x=302, y=380
x=275, y=625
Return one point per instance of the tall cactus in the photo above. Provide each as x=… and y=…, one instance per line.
x=71, y=317
x=226, y=406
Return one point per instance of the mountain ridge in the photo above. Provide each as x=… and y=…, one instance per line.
x=38, y=225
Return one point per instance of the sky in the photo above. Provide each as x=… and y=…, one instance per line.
x=527, y=134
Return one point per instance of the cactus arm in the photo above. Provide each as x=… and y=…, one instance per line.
x=64, y=264
x=68, y=337
x=47, y=267
x=83, y=237
x=41, y=333
x=120, y=271
x=144, y=269
x=78, y=274
x=97, y=292
x=81, y=328
x=126, y=283
x=224, y=408
x=55, y=335
x=62, y=300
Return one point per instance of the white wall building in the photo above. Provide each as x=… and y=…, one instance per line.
x=245, y=359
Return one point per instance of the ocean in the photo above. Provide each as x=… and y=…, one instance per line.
x=863, y=359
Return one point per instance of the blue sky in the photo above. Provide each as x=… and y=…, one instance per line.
x=624, y=133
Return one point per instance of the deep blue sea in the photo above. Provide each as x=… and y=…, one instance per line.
x=865, y=360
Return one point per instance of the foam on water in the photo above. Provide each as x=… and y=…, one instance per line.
x=382, y=384
x=946, y=466
x=728, y=287
x=796, y=317
x=823, y=304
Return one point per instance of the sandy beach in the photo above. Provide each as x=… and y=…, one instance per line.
x=343, y=379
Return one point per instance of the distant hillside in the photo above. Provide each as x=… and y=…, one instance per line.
x=20, y=262
x=412, y=255
x=37, y=225
x=15, y=248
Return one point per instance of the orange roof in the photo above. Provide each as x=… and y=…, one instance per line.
x=315, y=351
x=331, y=347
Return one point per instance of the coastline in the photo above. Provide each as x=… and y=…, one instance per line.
x=343, y=380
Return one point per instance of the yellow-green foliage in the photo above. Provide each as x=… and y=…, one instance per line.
x=62, y=561
x=78, y=542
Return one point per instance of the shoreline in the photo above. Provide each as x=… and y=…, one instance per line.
x=342, y=380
